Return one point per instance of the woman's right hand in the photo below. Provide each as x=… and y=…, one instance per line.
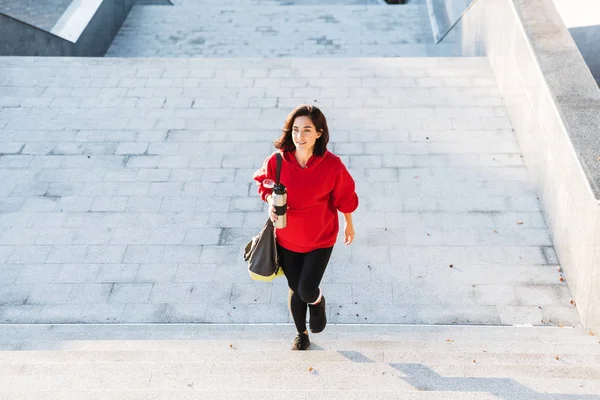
x=272, y=214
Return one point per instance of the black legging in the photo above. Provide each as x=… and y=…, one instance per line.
x=304, y=272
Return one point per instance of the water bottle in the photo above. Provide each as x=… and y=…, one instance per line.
x=280, y=203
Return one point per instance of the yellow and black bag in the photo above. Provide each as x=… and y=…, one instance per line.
x=261, y=255
x=261, y=251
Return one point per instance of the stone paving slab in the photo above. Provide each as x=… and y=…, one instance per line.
x=124, y=200
x=209, y=29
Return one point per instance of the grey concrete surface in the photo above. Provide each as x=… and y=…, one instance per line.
x=124, y=199
x=552, y=100
x=254, y=362
x=40, y=13
x=301, y=29
x=18, y=38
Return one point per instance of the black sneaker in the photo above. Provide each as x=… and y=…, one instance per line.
x=318, y=319
x=301, y=342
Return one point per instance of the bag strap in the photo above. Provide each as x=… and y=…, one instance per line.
x=279, y=160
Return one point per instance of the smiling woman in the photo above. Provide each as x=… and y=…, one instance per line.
x=304, y=124
x=318, y=187
x=305, y=135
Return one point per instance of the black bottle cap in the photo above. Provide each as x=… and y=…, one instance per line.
x=279, y=188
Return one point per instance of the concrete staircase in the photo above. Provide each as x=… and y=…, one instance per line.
x=126, y=198
x=278, y=29
x=252, y=362
x=121, y=202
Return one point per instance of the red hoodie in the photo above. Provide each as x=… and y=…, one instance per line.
x=315, y=194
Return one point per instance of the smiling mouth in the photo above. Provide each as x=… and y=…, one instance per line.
x=300, y=143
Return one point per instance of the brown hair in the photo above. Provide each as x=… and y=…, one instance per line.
x=285, y=141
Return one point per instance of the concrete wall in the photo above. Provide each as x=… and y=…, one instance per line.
x=18, y=38
x=21, y=39
x=40, y=13
x=582, y=18
x=102, y=29
x=554, y=104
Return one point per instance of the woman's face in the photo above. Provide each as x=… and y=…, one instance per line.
x=304, y=134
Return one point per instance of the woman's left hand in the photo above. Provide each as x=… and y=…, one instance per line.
x=348, y=234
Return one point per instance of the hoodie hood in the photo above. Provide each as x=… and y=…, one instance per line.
x=313, y=161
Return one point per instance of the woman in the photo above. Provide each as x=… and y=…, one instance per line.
x=318, y=186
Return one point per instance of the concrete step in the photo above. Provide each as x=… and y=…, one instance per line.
x=500, y=344
x=392, y=380
x=222, y=333
x=221, y=30
x=82, y=360
x=267, y=349
x=225, y=394
x=461, y=354
x=184, y=336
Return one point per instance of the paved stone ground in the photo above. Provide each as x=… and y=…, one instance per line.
x=127, y=195
x=222, y=29
x=43, y=14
